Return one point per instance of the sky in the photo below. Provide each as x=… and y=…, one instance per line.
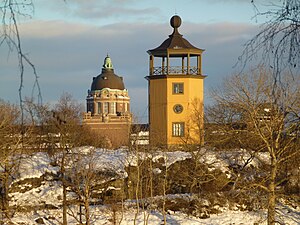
x=67, y=42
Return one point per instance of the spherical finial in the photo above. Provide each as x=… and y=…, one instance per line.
x=175, y=21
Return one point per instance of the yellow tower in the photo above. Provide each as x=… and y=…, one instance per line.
x=175, y=88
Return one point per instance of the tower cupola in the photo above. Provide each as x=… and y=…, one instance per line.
x=173, y=48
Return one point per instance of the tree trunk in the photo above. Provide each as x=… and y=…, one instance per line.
x=87, y=211
x=164, y=193
x=80, y=213
x=272, y=194
x=137, y=192
x=65, y=222
x=5, y=203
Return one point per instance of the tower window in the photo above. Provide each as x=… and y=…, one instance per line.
x=177, y=88
x=178, y=129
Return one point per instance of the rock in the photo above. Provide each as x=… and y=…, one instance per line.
x=39, y=221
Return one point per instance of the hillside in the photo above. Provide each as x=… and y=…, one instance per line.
x=119, y=185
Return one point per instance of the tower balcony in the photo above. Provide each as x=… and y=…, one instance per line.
x=174, y=70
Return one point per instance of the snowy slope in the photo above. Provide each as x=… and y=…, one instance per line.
x=40, y=166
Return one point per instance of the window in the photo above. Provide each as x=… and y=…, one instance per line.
x=177, y=88
x=99, y=107
x=112, y=108
x=126, y=107
x=105, y=107
x=89, y=106
x=178, y=129
x=178, y=108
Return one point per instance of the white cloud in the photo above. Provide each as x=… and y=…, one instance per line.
x=93, y=9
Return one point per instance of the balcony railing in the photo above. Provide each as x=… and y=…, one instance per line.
x=107, y=118
x=174, y=70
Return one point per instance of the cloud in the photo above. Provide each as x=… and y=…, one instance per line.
x=240, y=1
x=113, y=11
x=93, y=9
x=103, y=2
x=51, y=29
x=219, y=33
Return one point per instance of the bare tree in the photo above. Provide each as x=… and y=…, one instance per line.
x=11, y=11
x=69, y=108
x=195, y=124
x=10, y=149
x=65, y=124
x=278, y=42
x=82, y=179
x=270, y=118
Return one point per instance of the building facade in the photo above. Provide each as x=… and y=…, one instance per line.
x=175, y=89
x=108, y=106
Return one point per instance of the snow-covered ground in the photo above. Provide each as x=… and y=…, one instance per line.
x=40, y=163
x=101, y=216
x=49, y=192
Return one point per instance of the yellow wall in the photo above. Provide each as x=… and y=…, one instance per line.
x=193, y=89
x=162, y=101
x=158, y=111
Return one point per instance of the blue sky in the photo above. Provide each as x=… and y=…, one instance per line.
x=68, y=41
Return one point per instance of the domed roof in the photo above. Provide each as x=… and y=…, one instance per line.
x=107, y=79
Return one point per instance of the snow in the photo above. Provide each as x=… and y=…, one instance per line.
x=171, y=157
x=120, y=158
x=46, y=193
x=50, y=192
x=35, y=166
x=103, y=215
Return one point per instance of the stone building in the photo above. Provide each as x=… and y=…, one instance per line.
x=108, y=106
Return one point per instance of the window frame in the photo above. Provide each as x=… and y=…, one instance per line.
x=178, y=129
x=176, y=90
x=178, y=108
